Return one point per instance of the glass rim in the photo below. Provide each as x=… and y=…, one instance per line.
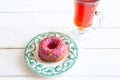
x=85, y=2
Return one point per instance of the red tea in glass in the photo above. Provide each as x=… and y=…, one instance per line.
x=83, y=14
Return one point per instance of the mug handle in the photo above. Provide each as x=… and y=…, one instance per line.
x=97, y=20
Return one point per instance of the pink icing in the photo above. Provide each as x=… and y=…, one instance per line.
x=51, y=48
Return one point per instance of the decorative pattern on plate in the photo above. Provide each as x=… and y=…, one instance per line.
x=46, y=68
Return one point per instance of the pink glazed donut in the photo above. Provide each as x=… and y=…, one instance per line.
x=52, y=49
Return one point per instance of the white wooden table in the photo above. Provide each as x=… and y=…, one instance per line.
x=20, y=20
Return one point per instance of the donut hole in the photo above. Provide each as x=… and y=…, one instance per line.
x=52, y=44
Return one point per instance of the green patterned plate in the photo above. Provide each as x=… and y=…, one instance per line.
x=43, y=68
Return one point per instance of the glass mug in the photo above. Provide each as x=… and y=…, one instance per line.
x=84, y=11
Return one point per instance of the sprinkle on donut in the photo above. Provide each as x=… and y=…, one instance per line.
x=52, y=49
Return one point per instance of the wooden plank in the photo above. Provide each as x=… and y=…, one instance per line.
x=108, y=6
x=110, y=19
x=18, y=37
x=90, y=63
x=51, y=5
x=60, y=19
x=102, y=38
x=35, y=5
x=60, y=78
